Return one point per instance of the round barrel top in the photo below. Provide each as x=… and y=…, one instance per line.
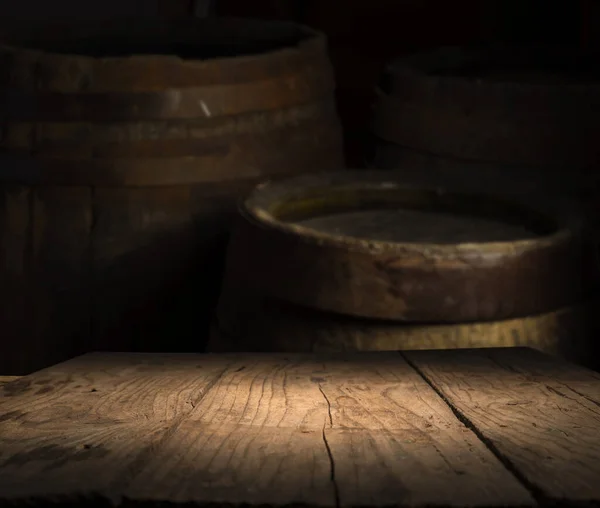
x=377, y=210
x=153, y=54
x=377, y=245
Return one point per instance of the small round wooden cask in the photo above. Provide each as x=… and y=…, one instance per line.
x=374, y=261
x=374, y=245
x=124, y=148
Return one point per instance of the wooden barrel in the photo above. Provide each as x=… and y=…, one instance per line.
x=373, y=261
x=373, y=245
x=124, y=148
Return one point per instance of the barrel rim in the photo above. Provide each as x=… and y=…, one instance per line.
x=268, y=194
x=311, y=38
x=415, y=66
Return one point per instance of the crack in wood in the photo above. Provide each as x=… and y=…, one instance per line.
x=170, y=429
x=336, y=491
x=533, y=489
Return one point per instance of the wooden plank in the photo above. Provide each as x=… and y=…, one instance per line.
x=257, y=437
x=84, y=428
x=269, y=390
x=390, y=430
x=238, y=465
x=8, y=379
x=540, y=417
x=561, y=376
x=351, y=430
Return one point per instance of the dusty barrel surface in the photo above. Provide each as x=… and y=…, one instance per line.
x=359, y=261
x=248, y=321
x=124, y=147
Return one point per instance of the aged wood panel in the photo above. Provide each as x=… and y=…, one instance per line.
x=390, y=431
x=8, y=379
x=238, y=464
x=81, y=430
x=117, y=386
x=296, y=410
x=364, y=429
x=544, y=430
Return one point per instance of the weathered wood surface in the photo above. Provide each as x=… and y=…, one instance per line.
x=433, y=281
x=8, y=379
x=541, y=417
x=461, y=428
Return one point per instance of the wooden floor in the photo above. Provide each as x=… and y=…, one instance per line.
x=7, y=379
x=485, y=427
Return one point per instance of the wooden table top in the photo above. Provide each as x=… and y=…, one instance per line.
x=501, y=427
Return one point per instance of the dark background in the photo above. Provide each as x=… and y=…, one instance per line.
x=364, y=35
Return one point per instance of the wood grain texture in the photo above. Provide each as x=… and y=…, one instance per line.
x=8, y=379
x=83, y=428
x=327, y=430
x=272, y=429
x=540, y=417
x=353, y=417
x=389, y=431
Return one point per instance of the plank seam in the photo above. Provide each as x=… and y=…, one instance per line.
x=145, y=455
x=533, y=489
x=336, y=490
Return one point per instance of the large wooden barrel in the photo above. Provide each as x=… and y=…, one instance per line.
x=372, y=260
x=124, y=148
